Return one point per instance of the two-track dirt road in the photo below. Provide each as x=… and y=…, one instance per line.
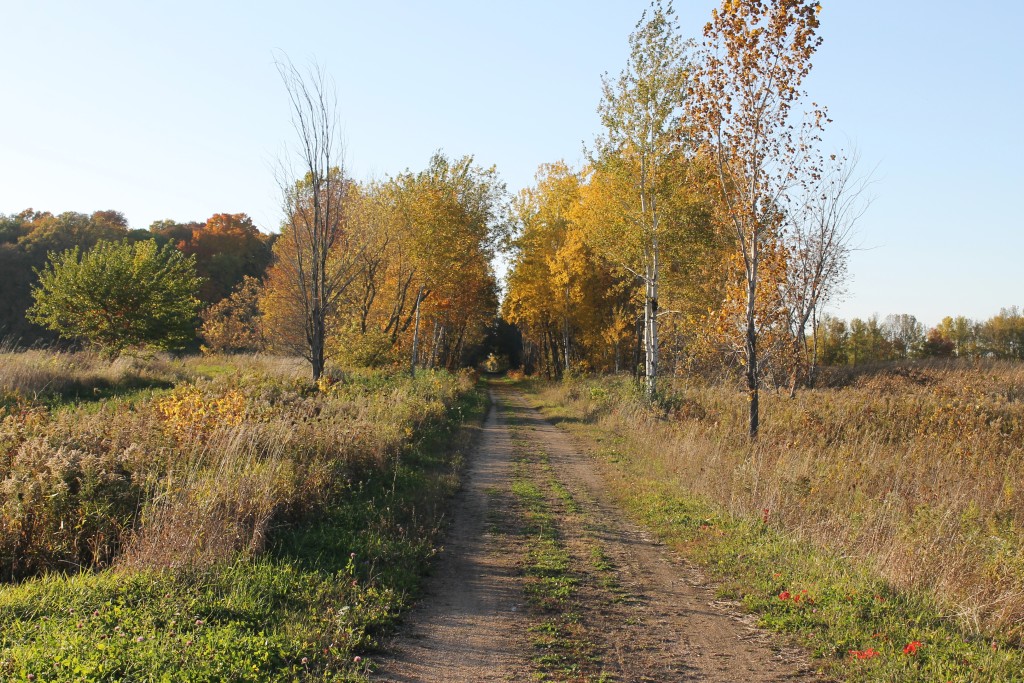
x=625, y=608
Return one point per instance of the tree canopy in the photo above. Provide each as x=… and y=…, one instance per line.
x=117, y=296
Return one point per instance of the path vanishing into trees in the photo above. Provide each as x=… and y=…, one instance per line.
x=542, y=577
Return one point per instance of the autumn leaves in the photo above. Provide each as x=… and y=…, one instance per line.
x=689, y=238
x=691, y=210
x=419, y=242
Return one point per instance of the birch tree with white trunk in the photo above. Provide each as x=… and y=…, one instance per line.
x=642, y=114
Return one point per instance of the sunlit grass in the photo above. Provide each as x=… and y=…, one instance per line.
x=259, y=528
x=907, y=479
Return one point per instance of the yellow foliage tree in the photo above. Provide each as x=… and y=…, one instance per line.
x=560, y=294
x=641, y=112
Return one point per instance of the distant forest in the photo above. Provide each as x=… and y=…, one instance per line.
x=226, y=247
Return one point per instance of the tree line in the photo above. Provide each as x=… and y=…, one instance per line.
x=225, y=249
x=903, y=337
x=708, y=225
x=708, y=228
x=369, y=273
x=410, y=255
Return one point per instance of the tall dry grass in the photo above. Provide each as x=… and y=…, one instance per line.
x=195, y=475
x=42, y=374
x=915, y=470
x=37, y=373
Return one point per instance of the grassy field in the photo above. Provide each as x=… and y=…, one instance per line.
x=214, y=519
x=879, y=519
x=221, y=519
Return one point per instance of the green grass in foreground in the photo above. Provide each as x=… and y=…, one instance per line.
x=309, y=609
x=550, y=589
x=858, y=627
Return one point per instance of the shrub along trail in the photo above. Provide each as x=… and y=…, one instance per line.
x=283, y=527
x=593, y=598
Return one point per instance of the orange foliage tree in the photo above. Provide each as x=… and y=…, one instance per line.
x=745, y=87
x=228, y=248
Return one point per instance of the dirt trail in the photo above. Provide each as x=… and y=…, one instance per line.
x=470, y=625
x=643, y=614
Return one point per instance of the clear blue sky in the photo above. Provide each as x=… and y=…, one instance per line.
x=175, y=110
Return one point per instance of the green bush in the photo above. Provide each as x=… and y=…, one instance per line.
x=119, y=295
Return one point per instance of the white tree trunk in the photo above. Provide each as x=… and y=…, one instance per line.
x=416, y=335
x=651, y=329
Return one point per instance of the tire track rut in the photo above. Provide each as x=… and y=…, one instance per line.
x=649, y=616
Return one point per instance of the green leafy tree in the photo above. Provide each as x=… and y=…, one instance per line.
x=867, y=342
x=119, y=295
x=25, y=240
x=832, y=337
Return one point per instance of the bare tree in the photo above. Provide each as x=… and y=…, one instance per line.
x=819, y=242
x=318, y=254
